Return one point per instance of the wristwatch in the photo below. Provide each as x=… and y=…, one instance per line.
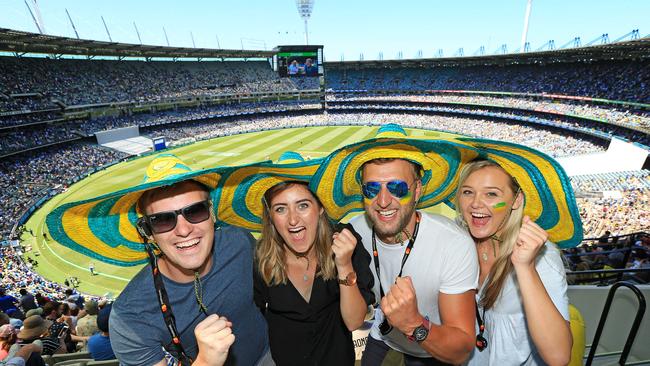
x=349, y=280
x=421, y=332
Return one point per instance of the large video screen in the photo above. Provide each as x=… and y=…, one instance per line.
x=298, y=63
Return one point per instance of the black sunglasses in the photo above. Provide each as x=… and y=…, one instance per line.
x=162, y=222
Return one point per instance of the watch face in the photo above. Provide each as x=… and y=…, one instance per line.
x=351, y=278
x=420, y=333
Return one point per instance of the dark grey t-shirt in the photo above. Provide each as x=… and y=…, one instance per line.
x=138, y=331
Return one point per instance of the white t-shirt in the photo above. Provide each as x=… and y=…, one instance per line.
x=509, y=342
x=443, y=259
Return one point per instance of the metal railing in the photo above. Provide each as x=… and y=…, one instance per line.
x=603, y=318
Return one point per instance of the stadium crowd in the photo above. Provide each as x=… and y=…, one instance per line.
x=83, y=82
x=614, y=202
x=26, y=178
x=59, y=319
x=620, y=116
x=614, y=80
x=15, y=140
x=523, y=110
x=86, y=82
x=527, y=116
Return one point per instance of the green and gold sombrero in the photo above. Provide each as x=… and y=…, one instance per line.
x=238, y=199
x=549, y=196
x=338, y=180
x=104, y=227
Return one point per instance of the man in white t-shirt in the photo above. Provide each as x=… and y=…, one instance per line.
x=428, y=271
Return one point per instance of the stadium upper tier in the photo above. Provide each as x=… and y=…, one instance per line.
x=627, y=80
x=37, y=83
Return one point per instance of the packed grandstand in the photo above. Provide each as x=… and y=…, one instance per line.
x=562, y=103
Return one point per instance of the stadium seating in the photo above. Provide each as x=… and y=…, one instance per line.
x=619, y=80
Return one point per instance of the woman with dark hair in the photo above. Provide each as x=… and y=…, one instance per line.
x=522, y=301
x=313, y=285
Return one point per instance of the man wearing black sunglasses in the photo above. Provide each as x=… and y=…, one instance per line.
x=200, y=283
x=425, y=270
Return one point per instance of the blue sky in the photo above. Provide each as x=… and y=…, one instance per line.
x=346, y=28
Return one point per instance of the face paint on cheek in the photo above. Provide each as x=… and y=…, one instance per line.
x=499, y=206
x=404, y=200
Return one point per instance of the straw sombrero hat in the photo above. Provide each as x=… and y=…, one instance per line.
x=238, y=199
x=549, y=196
x=338, y=180
x=104, y=227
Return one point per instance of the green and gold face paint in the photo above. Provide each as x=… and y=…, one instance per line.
x=499, y=206
x=404, y=200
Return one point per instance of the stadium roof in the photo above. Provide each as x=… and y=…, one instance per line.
x=25, y=42
x=627, y=50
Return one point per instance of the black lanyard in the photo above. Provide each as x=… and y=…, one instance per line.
x=166, y=308
x=407, y=252
x=481, y=342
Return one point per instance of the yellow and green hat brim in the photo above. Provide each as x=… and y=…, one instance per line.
x=239, y=197
x=550, y=200
x=104, y=227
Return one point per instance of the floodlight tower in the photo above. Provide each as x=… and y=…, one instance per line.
x=37, y=10
x=524, y=35
x=304, y=9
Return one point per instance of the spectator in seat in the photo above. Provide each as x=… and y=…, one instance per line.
x=87, y=325
x=27, y=301
x=8, y=304
x=8, y=337
x=35, y=328
x=99, y=345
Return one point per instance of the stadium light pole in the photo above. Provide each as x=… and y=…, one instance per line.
x=166, y=38
x=137, y=32
x=524, y=35
x=37, y=10
x=38, y=26
x=304, y=9
x=72, y=23
x=106, y=27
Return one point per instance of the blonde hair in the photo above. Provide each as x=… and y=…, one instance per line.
x=502, y=266
x=271, y=251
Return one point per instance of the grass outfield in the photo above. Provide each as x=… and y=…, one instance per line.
x=57, y=262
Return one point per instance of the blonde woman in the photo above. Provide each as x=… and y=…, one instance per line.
x=522, y=301
x=312, y=285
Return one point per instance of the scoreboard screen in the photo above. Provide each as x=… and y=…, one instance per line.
x=159, y=143
x=299, y=61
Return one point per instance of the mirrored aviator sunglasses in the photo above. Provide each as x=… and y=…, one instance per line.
x=397, y=188
x=163, y=222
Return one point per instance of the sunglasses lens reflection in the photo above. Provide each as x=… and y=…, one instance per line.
x=397, y=188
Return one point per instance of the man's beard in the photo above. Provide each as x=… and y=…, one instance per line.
x=383, y=231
